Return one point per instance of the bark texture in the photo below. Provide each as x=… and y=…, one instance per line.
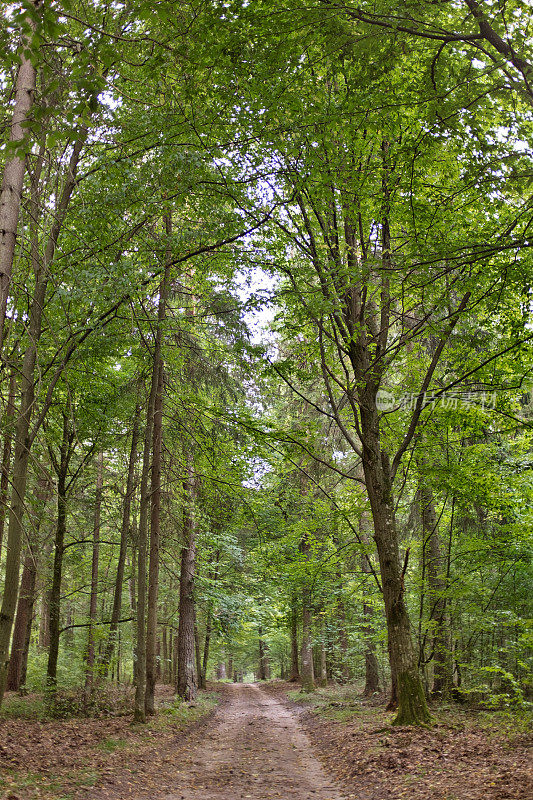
x=61, y=467
x=6, y=454
x=15, y=168
x=89, y=673
x=139, y=665
x=187, y=686
x=294, y=675
x=19, y=646
x=371, y=661
x=155, y=493
x=24, y=436
x=437, y=590
x=124, y=533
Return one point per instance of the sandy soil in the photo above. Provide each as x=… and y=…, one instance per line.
x=253, y=747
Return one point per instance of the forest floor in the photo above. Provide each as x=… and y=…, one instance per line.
x=263, y=741
x=251, y=747
x=464, y=755
x=43, y=758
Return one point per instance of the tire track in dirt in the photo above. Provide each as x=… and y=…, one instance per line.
x=253, y=747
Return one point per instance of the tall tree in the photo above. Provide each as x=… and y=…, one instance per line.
x=15, y=165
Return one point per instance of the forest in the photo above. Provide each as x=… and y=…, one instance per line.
x=266, y=397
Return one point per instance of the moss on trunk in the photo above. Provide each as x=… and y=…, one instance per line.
x=412, y=706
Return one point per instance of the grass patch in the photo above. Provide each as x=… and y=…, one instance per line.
x=34, y=785
x=341, y=703
x=507, y=724
x=32, y=706
x=88, y=777
x=184, y=713
x=110, y=745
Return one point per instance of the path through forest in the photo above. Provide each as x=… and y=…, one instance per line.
x=253, y=747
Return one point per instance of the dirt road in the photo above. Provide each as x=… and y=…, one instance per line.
x=252, y=748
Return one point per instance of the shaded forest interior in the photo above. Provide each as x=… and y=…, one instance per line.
x=266, y=339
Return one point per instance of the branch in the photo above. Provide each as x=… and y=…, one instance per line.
x=92, y=624
x=425, y=385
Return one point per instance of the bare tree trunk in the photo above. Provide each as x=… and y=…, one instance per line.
x=412, y=706
x=124, y=533
x=18, y=663
x=323, y=675
x=371, y=661
x=437, y=585
x=175, y=661
x=18, y=484
x=15, y=167
x=263, y=658
x=164, y=673
x=61, y=468
x=186, y=657
x=170, y=674
x=308, y=672
x=208, y=626
x=295, y=667
x=198, y=654
x=142, y=544
x=43, y=577
x=24, y=615
x=153, y=569
x=89, y=663
x=155, y=498
x=23, y=436
x=6, y=454
x=207, y=640
x=230, y=667
x=342, y=633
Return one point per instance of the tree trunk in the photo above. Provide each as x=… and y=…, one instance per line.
x=170, y=656
x=44, y=622
x=412, y=706
x=323, y=674
x=6, y=454
x=61, y=468
x=22, y=622
x=153, y=569
x=371, y=661
x=198, y=655
x=175, y=661
x=18, y=483
x=437, y=585
x=23, y=437
x=164, y=672
x=229, y=668
x=342, y=633
x=155, y=497
x=186, y=653
x=89, y=664
x=15, y=167
x=295, y=667
x=308, y=673
x=207, y=640
x=124, y=533
x=208, y=626
x=142, y=543
x=18, y=662
x=263, y=672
